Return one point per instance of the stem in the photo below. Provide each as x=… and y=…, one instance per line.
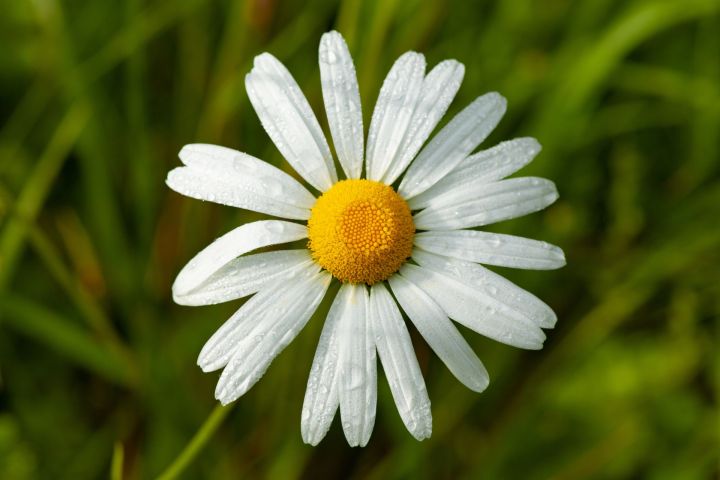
x=197, y=443
x=116, y=466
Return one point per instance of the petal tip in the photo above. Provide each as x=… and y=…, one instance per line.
x=204, y=364
x=263, y=60
x=331, y=36
x=171, y=180
x=313, y=442
x=422, y=434
x=534, y=145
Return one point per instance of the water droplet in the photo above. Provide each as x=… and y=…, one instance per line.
x=270, y=186
x=244, y=164
x=356, y=376
x=274, y=226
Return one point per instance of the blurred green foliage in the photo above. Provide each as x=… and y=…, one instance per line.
x=98, y=365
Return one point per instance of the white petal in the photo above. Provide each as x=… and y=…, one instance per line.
x=358, y=368
x=342, y=102
x=321, y=396
x=453, y=143
x=226, y=176
x=477, y=313
x=212, y=188
x=263, y=307
x=393, y=111
x=272, y=333
x=492, y=249
x=485, y=166
x=438, y=90
x=242, y=168
x=399, y=362
x=517, y=302
x=439, y=332
x=476, y=205
x=246, y=275
x=489, y=289
x=289, y=121
x=241, y=240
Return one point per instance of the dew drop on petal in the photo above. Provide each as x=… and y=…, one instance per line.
x=275, y=227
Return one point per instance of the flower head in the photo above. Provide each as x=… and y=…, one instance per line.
x=361, y=231
x=414, y=241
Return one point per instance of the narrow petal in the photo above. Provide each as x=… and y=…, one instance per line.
x=393, y=111
x=440, y=333
x=438, y=90
x=477, y=205
x=241, y=167
x=399, y=362
x=289, y=121
x=342, y=102
x=239, y=241
x=272, y=333
x=246, y=275
x=358, y=368
x=321, y=396
x=226, y=176
x=263, y=307
x=478, y=314
x=517, y=302
x=486, y=166
x=489, y=289
x=492, y=249
x=453, y=143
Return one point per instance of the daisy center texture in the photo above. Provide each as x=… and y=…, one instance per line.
x=361, y=231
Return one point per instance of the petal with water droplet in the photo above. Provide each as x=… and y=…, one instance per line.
x=453, y=143
x=477, y=277
x=245, y=275
x=358, y=369
x=289, y=121
x=486, y=166
x=491, y=249
x=483, y=300
x=239, y=241
x=399, y=362
x=393, y=112
x=440, y=333
x=321, y=395
x=222, y=175
x=438, y=90
x=484, y=204
x=275, y=297
x=342, y=102
x=273, y=330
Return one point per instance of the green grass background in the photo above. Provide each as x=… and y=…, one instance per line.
x=97, y=365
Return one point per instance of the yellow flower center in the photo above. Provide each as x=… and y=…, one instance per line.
x=360, y=231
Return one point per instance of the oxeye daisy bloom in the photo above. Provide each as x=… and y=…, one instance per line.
x=396, y=232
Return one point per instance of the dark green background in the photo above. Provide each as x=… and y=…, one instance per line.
x=97, y=98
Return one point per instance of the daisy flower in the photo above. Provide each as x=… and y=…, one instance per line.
x=396, y=231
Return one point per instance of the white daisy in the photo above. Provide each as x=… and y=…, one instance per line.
x=405, y=249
